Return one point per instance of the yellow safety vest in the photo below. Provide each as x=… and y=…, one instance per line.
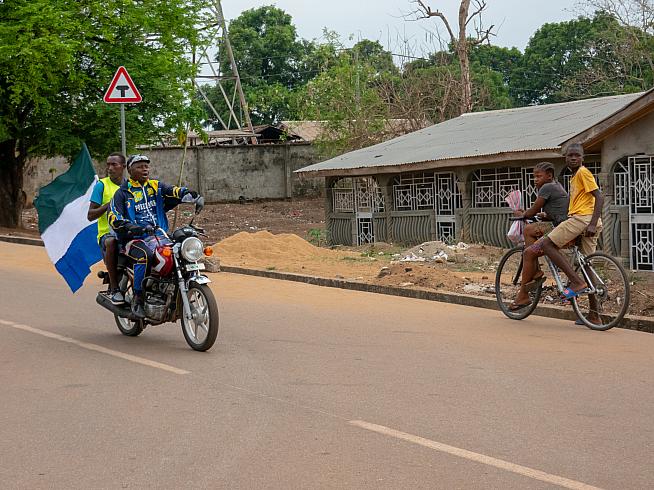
x=107, y=193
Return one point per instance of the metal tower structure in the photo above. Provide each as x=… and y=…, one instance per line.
x=238, y=124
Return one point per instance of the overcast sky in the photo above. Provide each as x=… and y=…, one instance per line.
x=381, y=20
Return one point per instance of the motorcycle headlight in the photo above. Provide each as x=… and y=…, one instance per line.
x=192, y=249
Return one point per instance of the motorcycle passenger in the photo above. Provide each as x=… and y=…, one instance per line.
x=138, y=207
x=99, y=205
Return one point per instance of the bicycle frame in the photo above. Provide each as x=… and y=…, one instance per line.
x=583, y=265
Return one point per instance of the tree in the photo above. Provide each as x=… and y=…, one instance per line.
x=460, y=41
x=584, y=57
x=428, y=91
x=57, y=58
x=272, y=62
x=632, y=13
x=373, y=54
x=496, y=58
x=346, y=98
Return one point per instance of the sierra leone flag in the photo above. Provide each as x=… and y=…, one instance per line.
x=69, y=238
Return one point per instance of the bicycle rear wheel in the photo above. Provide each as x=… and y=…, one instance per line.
x=613, y=293
x=507, y=285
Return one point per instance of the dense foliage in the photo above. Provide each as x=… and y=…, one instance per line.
x=58, y=56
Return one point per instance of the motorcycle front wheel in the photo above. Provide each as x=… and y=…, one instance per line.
x=201, y=331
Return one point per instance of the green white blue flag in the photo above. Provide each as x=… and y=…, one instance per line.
x=69, y=238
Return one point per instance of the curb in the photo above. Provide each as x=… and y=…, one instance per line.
x=22, y=240
x=630, y=322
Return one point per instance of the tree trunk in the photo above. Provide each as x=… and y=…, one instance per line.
x=11, y=185
x=464, y=61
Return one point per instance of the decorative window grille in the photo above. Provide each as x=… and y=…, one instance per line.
x=368, y=196
x=641, y=211
x=642, y=184
x=365, y=231
x=448, y=196
x=412, y=192
x=621, y=185
x=566, y=175
x=343, y=196
x=426, y=190
x=446, y=231
x=642, y=246
x=490, y=186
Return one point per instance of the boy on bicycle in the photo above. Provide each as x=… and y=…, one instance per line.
x=583, y=221
x=551, y=205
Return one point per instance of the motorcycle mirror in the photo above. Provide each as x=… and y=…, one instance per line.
x=199, y=204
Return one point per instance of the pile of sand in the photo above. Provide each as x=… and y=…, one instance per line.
x=264, y=246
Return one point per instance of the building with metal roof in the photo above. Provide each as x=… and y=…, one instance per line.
x=449, y=181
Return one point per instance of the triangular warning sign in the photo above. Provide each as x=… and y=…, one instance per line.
x=122, y=89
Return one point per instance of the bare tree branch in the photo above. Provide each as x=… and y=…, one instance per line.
x=425, y=12
x=481, y=6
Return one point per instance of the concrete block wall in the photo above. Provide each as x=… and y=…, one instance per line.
x=219, y=173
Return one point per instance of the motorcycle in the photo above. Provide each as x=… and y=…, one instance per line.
x=174, y=290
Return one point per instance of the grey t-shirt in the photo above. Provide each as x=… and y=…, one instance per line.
x=556, y=201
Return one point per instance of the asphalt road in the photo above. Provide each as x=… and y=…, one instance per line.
x=312, y=387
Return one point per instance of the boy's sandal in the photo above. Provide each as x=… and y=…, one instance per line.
x=535, y=283
x=568, y=293
x=517, y=306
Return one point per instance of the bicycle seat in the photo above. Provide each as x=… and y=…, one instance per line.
x=573, y=243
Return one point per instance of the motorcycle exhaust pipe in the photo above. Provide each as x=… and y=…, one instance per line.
x=121, y=311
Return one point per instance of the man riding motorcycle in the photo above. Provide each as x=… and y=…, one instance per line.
x=137, y=209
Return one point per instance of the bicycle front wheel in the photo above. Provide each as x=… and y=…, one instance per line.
x=606, y=308
x=507, y=285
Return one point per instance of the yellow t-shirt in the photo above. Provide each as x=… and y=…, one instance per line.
x=582, y=202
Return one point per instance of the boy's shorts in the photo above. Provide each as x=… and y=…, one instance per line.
x=542, y=227
x=575, y=226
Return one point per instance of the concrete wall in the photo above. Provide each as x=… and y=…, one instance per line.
x=636, y=138
x=39, y=172
x=218, y=173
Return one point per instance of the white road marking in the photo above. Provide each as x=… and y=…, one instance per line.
x=472, y=456
x=97, y=348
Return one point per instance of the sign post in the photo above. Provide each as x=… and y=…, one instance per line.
x=122, y=91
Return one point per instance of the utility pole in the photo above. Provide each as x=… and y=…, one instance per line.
x=217, y=75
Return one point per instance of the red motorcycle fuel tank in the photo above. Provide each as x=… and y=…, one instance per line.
x=163, y=260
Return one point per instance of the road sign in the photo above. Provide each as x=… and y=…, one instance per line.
x=122, y=89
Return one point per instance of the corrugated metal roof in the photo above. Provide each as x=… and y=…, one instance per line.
x=485, y=133
x=312, y=130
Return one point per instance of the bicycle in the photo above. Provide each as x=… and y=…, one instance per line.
x=605, y=276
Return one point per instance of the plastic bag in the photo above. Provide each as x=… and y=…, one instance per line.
x=515, y=233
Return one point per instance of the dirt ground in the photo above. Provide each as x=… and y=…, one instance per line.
x=276, y=235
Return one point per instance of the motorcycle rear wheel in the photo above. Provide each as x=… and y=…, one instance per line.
x=125, y=325
x=129, y=327
x=201, y=332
